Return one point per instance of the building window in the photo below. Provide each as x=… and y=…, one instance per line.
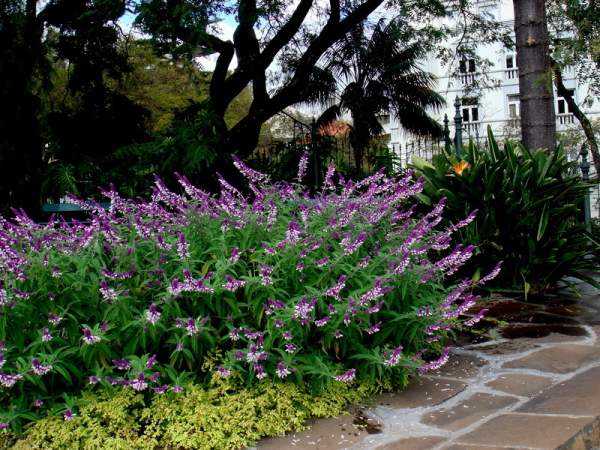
x=514, y=107
x=562, y=107
x=384, y=119
x=466, y=66
x=511, y=62
x=470, y=109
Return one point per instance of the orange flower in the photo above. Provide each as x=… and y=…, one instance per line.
x=460, y=167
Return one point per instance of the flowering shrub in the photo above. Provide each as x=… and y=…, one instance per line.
x=274, y=285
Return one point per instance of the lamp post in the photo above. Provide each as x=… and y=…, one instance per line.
x=458, y=127
x=585, y=176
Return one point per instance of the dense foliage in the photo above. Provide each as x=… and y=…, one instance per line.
x=529, y=212
x=278, y=285
x=220, y=417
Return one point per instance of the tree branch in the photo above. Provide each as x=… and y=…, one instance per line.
x=578, y=113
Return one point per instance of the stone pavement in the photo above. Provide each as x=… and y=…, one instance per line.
x=535, y=386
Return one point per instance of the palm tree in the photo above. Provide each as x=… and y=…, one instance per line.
x=376, y=74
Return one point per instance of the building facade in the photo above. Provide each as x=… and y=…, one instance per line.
x=496, y=105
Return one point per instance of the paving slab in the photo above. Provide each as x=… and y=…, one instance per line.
x=421, y=392
x=460, y=366
x=578, y=396
x=507, y=347
x=336, y=433
x=520, y=384
x=476, y=447
x=559, y=359
x=467, y=412
x=416, y=443
x=520, y=430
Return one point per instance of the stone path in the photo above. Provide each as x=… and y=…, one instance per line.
x=537, y=386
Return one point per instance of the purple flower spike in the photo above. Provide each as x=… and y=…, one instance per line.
x=223, y=372
x=346, y=377
x=153, y=314
x=160, y=389
x=90, y=338
x=282, y=371
x=139, y=384
x=121, y=364
x=151, y=362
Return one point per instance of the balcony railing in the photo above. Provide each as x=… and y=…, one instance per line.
x=511, y=74
x=565, y=119
x=467, y=78
x=471, y=128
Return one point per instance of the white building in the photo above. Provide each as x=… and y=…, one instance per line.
x=496, y=106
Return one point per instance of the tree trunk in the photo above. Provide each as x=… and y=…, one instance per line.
x=538, y=120
x=581, y=117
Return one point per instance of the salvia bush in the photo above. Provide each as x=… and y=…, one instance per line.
x=154, y=295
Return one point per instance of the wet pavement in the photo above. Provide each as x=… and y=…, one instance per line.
x=534, y=385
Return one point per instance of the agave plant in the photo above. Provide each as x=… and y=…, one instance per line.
x=529, y=212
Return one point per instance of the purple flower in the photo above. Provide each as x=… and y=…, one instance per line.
x=393, y=358
x=90, y=338
x=374, y=328
x=351, y=246
x=154, y=377
x=476, y=318
x=259, y=370
x=121, y=364
x=302, y=166
x=68, y=415
x=177, y=388
x=160, y=389
x=151, y=362
x=152, y=314
x=223, y=372
x=279, y=323
x=338, y=334
x=335, y=290
x=287, y=335
x=8, y=380
x=179, y=347
x=265, y=275
x=376, y=292
x=235, y=255
x=493, y=274
x=93, y=379
x=183, y=248
x=38, y=402
x=234, y=334
x=293, y=233
x=231, y=284
x=191, y=327
x=346, y=377
x=363, y=263
x=108, y=293
x=322, y=322
x=139, y=384
x=304, y=308
x=437, y=363
x=46, y=336
x=270, y=250
x=56, y=273
x=4, y=425
x=38, y=369
x=282, y=371
x=290, y=348
x=322, y=262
